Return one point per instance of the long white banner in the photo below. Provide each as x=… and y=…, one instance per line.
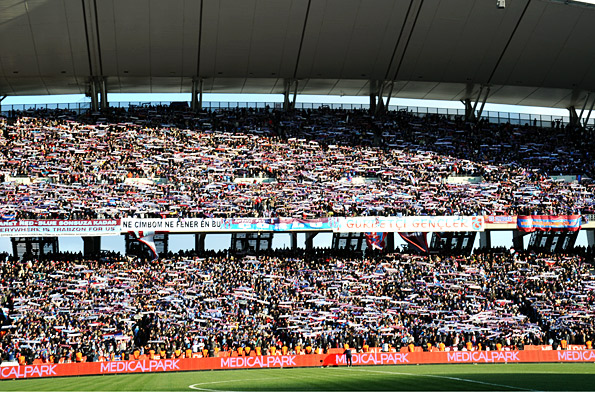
x=106, y=227
x=410, y=224
x=173, y=225
x=224, y=225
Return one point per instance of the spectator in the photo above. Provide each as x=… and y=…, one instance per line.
x=285, y=300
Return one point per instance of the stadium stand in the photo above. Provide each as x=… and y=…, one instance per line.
x=157, y=162
x=216, y=304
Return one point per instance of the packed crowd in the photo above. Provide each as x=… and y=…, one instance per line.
x=150, y=162
x=300, y=300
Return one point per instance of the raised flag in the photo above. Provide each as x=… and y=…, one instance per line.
x=375, y=240
x=417, y=240
x=148, y=239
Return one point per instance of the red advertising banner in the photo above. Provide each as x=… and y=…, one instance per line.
x=278, y=361
x=500, y=219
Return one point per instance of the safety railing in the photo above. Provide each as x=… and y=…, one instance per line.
x=539, y=120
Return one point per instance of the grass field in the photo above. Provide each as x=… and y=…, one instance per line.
x=511, y=377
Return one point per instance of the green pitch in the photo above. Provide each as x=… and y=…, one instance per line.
x=511, y=377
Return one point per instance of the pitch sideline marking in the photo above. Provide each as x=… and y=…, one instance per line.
x=446, y=377
x=192, y=386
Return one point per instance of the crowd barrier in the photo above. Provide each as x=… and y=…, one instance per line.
x=291, y=361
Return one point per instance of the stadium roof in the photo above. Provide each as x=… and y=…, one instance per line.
x=532, y=52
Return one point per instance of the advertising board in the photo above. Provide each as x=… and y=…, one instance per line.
x=284, y=361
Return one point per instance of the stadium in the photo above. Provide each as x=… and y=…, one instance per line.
x=285, y=246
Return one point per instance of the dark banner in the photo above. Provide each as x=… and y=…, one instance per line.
x=418, y=240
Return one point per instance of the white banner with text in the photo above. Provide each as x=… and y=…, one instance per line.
x=410, y=224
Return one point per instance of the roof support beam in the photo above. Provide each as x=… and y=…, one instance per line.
x=92, y=70
x=408, y=40
x=286, y=83
x=377, y=92
x=380, y=100
x=469, y=110
x=586, y=121
x=294, y=95
x=94, y=95
x=198, y=53
x=574, y=118
x=477, y=101
x=372, y=103
x=97, y=82
x=102, y=88
x=287, y=91
x=196, y=102
x=389, y=80
x=391, y=84
x=516, y=26
x=98, y=93
x=579, y=120
x=584, y=106
x=380, y=106
x=299, y=54
x=483, y=103
x=2, y=98
x=392, y=58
